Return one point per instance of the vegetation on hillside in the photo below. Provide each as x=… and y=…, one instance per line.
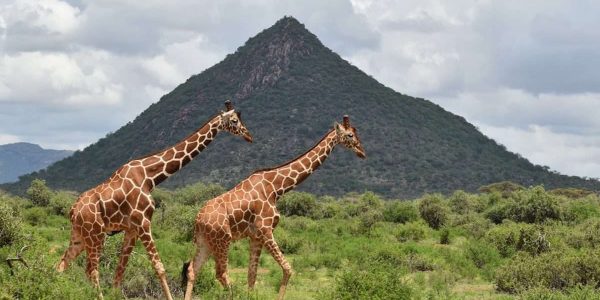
x=291, y=88
x=525, y=243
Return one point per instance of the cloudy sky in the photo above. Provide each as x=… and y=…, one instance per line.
x=527, y=73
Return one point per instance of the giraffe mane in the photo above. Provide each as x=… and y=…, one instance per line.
x=188, y=136
x=295, y=158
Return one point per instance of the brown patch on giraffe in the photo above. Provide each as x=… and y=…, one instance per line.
x=173, y=166
x=150, y=161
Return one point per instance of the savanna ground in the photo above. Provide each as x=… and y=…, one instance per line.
x=506, y=242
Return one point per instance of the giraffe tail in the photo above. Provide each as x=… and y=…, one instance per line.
x=184, y=274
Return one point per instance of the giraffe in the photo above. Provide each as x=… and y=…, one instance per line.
x=249, y=210
x=123, y=202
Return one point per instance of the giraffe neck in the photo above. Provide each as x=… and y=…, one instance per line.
x=173, y=159
x=289, y=175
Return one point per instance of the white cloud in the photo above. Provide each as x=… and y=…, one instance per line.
x=7, y=139
x=526, y=72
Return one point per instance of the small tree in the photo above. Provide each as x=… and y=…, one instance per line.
x=297, y=204
x=10, y=225
x=433, y=211
x=39, y=193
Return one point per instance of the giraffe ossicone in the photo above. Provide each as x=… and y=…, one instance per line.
x=123, y=202
x=249, y=211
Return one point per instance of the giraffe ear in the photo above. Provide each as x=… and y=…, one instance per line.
x=338, y=128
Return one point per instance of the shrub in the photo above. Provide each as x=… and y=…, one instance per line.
x=414, y=231
x=196, y=193
x=378, y=283
x=591, y=232
x=505, y=188
x=573, y=193
x=482, y=254
x=35, y=216
x=463, y=203
x=39, y=193
x=61, y=202
x=511, y=237
x=474, y=225
x=297, y=204
x=445, y=236
x=533, y=205
x=400, y=212
x=553, y=270
x=580, y=210
x=10, y=226
x=288, y=243
x=161, y=196
x=181, y=219
x=433, y=211
x=369, y=219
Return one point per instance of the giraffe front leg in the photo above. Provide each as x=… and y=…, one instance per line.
x=74, y=249
x=94, y=250
x=148, y=243
x=255, y=249
x=126, y=248
x=271, y=246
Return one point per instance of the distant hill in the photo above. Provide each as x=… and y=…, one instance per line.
x=22, y=158
x=291, y=88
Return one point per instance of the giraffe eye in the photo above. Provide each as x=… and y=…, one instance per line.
x=234, y=121
x=350, y=135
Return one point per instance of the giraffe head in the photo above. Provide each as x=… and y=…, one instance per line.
x=347, y=136
x=231, y=121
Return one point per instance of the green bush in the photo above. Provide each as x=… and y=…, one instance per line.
x=532, y=205
x=36, y=216
x=413, y=231
x=289, y=244
x=505, y=188
x=196, y=193
x=10, y=225
x=433, y=211
x=298, y=204
x=445, y=236
x=379, y=283
x=61, y=202
x=39, y=193
x=400, y=212
x=482, y=254
x=462, y=203
x=511, y=237
x=558, y=270
x=180, y=219
x=591, y=232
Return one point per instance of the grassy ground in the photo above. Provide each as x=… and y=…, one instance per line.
x=357, y=247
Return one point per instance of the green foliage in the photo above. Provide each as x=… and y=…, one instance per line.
x=463, y=203
x=482, y=254
x=180, y=220
x=400, y=212
x=506, y=188
x=36, y=216
x=10, y=225
x=553, y=270
x=445, y=236
x=433, y=211
x=370, y=284
x=196, y=193
x=39, y=193
x=573, y=193
x=413, y=231
x=297, y=204
x=61, y=202
x=532, y=205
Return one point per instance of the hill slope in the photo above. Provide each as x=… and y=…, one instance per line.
x=290, y=88
x=22, y=158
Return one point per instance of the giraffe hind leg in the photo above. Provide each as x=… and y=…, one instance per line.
x=190, y=269
x=76, y=246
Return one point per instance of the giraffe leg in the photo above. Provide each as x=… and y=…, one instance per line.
x=221, y=258
x=148, y=243
x=126, y=248
x=271, y=246
x=93, y=251
x=201, y=256
x=255, y=249
x=75, y=248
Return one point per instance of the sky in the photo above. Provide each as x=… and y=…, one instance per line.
x=526, y=73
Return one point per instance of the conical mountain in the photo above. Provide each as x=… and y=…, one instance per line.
x=291, y=88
